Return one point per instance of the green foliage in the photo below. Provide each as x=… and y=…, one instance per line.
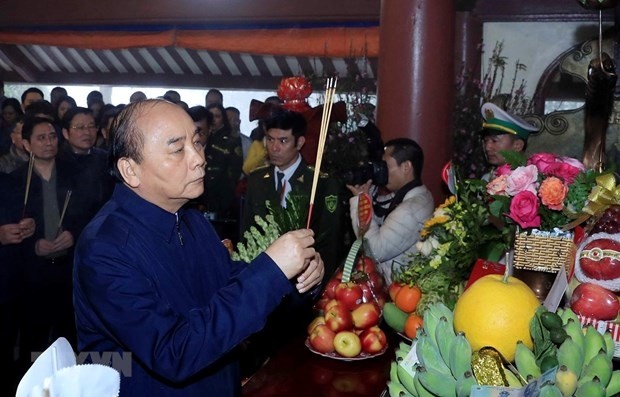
x=292, y=217
x=450, y=244
x=514, y=159
x=257, y=241
x=279, y=221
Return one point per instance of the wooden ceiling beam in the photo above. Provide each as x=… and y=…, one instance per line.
x=18, y=62
x=167, y=80
x=183, y=12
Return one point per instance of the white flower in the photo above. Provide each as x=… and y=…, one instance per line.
x=427, y=246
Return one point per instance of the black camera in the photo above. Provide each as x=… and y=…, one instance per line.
x=376, y=171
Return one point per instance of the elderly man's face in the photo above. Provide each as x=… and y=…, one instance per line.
x=173, y=166
x=82, y=133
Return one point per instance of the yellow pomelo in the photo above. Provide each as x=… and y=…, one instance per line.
x=494, y=312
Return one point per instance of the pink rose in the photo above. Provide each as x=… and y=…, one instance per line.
x=503, y=169
x=522, y=179
x=542, y=161
x=564, y=171
x=574, y=162
x=498, y=186
x=524, y=209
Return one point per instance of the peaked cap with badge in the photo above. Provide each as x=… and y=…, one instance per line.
x=497, y=121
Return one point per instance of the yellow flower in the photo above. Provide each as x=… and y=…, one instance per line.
x=449, y=201
x=436, y=220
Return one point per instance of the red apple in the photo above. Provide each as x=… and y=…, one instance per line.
x=338, y=318
x=366, y=315
x=599, y=259
x=317, y=320
x=347, y=344
x=594, y=301
x=380, y=300
x=366, y=265
x=393, y=290
x=330, y=288
x=377, y=281
x=320, y=304
x=322, y=339
x=349, y=294
x=373, y=340
x=367, y=294
x=331, y=303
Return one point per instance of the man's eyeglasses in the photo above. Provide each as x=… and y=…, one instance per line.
x=89, y=127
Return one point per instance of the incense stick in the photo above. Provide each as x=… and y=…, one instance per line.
x=64, y=210
x=330, y=89
x=28, y=179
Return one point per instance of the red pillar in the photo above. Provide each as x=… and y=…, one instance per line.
x=468, y=39
x=416, y=80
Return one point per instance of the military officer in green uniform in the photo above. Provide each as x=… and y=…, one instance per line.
x=288, y=174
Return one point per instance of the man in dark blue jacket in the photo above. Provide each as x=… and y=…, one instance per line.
x=13, y=231
x=153, y=281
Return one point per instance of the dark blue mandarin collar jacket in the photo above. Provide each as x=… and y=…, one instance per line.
x=163, y=288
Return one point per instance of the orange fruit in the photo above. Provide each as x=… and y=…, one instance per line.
x=407, y=298
x=412, y=324
x=497, y=313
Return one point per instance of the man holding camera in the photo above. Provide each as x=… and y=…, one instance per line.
x=392, y=238
x=289, y=175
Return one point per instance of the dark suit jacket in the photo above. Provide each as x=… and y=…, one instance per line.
x=11, y=255
x=327, y=213
x=38, y=271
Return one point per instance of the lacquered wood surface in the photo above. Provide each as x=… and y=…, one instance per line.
x=296, y=371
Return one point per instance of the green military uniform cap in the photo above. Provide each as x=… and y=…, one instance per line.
x=498, y=121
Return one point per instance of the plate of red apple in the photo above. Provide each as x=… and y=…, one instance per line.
x=352, y=349
x=348, y=326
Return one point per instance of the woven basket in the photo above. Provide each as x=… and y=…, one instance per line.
x=543, y=253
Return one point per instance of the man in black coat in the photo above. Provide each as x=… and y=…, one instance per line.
x=47, y=307
x=288, y=174
x=13, y=231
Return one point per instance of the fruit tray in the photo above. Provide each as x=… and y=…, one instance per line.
x=336, y=356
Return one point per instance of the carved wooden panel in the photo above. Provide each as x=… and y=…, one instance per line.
x=562, y=132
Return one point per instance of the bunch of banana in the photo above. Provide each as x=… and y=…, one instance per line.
x=584, y=359
x=444, y=360
x=401, y=382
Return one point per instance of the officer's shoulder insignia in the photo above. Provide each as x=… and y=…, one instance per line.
x=260, y=169
x=331, y=203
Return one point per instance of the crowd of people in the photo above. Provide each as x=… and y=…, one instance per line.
x=111, y=221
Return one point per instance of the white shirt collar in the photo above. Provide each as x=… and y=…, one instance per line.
x=288, y=174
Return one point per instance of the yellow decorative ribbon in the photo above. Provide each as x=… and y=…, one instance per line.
x=604, y=194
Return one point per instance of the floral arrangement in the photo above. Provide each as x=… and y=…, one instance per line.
x=450, y=242
x=543, y=191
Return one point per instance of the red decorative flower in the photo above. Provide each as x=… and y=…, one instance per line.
x=294, y=91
